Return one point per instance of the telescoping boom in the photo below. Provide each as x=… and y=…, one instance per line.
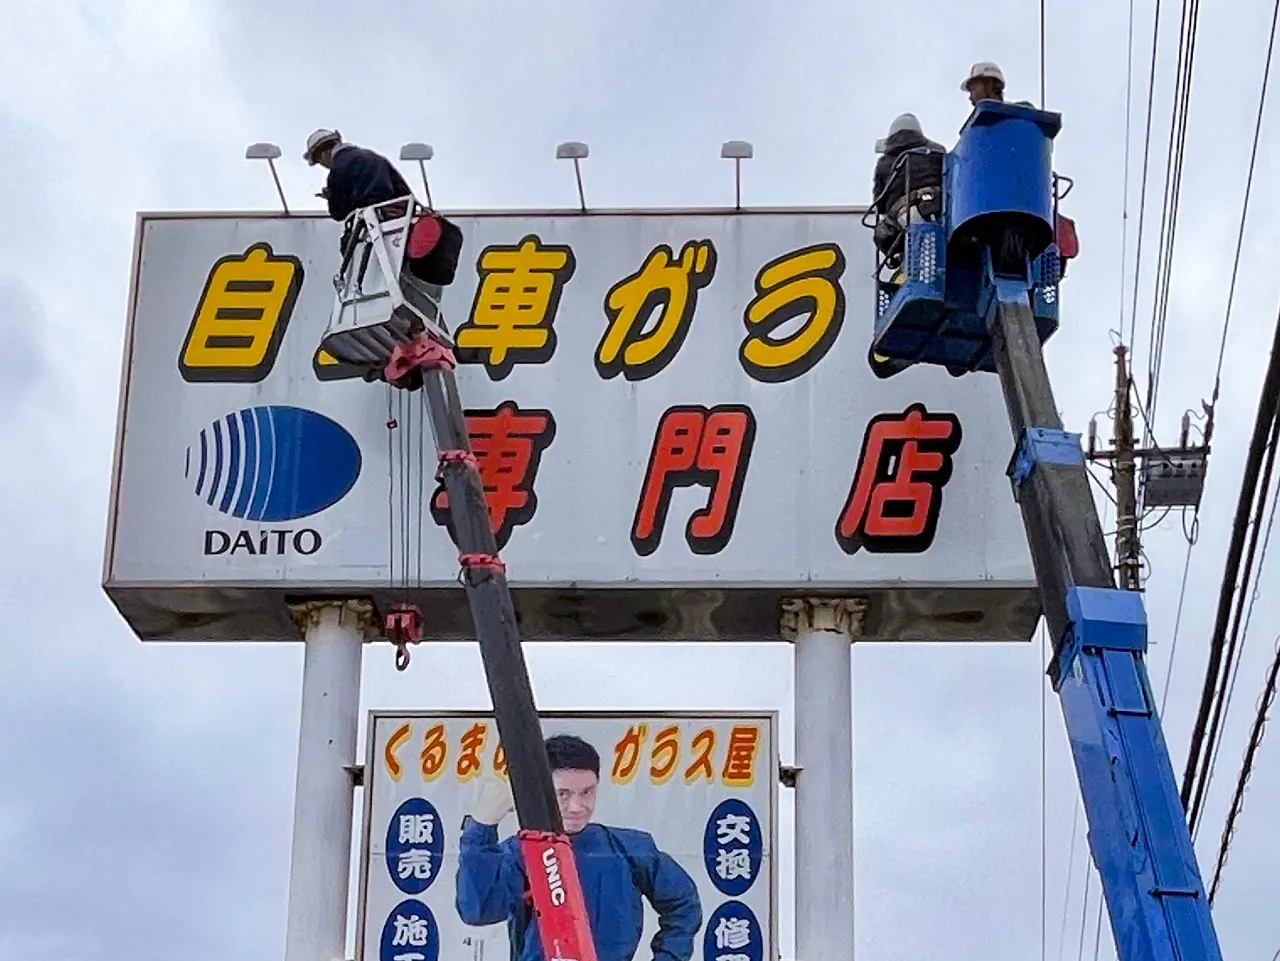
x=387, y=320
x=978, y=290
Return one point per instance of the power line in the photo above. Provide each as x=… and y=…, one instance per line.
x=1177, y=619
x=1172, y=202
x=1042, y=54
x=1128, y=137
x=1246, y=768
x=1236, y=659
x=1146, y=164
x=1066, y=891
x=1044, y=795
x=1244, y=208
x=1097, y=930
x=1236, y=639
x=1084, y=912
x=1231, y=664
x=1268, y=402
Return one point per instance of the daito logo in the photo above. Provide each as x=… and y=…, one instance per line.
x=270, y=465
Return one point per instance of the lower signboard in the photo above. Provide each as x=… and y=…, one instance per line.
x=673, y=818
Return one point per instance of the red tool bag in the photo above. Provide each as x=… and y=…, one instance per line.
x=433, y=249
x=1065, y=237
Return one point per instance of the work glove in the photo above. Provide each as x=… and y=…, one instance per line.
x=494, y=803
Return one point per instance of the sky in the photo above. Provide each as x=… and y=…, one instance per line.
x=146, y=802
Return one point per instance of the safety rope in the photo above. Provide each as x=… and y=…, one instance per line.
x=404, y=370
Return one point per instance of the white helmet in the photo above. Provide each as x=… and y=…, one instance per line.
x=317, y=141
x=983, y=69
x=904, y=121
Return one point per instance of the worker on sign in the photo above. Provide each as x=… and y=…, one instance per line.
x=907, y=183
x=617, y=867
x=358, y=177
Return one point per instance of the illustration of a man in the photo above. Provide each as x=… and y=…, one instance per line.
x=617, y=867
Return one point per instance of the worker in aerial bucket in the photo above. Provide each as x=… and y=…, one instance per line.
x=986, y=82
x=358, y=178
x=907, y=182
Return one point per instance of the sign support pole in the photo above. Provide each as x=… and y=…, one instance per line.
x=324, y=800
x=823, y=631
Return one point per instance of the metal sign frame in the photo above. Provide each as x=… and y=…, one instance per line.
x=972, y=611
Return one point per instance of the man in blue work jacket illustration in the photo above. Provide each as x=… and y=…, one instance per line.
x=617, y=867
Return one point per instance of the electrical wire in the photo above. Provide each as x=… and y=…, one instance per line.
x=1044, y=793
x=1042, y=54
x=1234, y=657
x=1084, y=911
x=1146, y=166
x=391, y=488
x=1097, y=929
x=1102, y=486
x=1246, y=768
x=1235, y=641
x=1172, y=203
x=1128, y=137
x=1066, y=890
x=1217, y=380
x=1253, y=599
x=1268, y=401
x=1244, y=207
x=1177, y=624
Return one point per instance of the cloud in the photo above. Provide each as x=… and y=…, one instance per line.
x=22, y=361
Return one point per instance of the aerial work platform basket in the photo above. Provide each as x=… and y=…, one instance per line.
x=998, y=219
x=382, y=299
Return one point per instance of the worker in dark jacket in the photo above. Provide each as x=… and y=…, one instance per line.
x=919, y=170
x=358, y=177
x=617, y=867
x=908, y=160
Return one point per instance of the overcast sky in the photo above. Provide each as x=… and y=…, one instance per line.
x=146, y=797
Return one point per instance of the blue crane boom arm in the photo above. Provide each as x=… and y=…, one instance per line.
x=1137, y=829
x=978, y=291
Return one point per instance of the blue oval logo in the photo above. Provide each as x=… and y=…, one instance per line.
x=410, y=933
x=415, y=845
x=273, y=463
x=734, y=932
x=732, y=847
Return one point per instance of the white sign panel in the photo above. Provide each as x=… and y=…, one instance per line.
x=657, y=401
x=673, y=820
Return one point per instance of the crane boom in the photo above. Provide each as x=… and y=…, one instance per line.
x=388, y=321
x=1137, y=829
x=978, y=290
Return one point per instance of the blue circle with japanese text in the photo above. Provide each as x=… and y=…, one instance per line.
x=410, y=933
x=733, y=932
x=415, y=845
x=733, y=847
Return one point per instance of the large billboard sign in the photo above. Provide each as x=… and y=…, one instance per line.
x=674, y=822
x=675, y=415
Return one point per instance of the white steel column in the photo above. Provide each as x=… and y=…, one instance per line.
x=823, y=632
x=324, y=802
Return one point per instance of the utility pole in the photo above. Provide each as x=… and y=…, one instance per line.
x=1170, y=477
x=1128, y=547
